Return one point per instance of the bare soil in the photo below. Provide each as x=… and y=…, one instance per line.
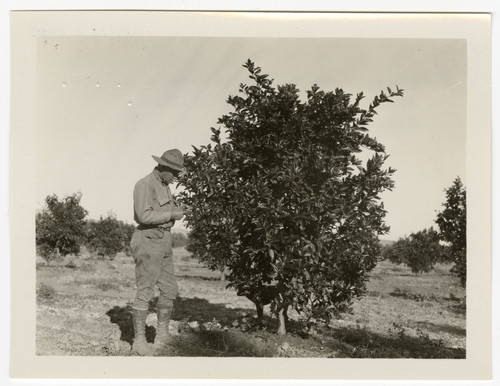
x=83, y=308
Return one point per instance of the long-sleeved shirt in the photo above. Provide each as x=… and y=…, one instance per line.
x=153, y=202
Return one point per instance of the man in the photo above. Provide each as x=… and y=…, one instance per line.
x=155, y=211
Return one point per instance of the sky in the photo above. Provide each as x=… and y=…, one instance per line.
x=105, y=105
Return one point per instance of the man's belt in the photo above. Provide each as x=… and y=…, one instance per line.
x=143, y=227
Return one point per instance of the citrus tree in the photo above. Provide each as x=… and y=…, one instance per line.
x=60, y=226
x=106, y=236
x=452, y=223
x=419, y=251
x=283, y=200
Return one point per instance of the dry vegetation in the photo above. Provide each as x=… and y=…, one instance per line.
x=83, y=308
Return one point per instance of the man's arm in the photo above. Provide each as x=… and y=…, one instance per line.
x=143, y=207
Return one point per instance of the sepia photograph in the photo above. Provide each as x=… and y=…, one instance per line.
x=305, y=187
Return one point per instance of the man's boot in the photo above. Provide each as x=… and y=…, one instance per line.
x=140, y=345
x=163, y=337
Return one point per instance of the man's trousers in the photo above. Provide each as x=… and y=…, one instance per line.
x=154, y=266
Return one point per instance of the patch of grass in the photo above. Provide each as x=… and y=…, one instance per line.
x=459, y=307
x=406, y=294
x=439, y=328
x=226, y=343
x=359, y=342
x=99, y=283
x=45, y=292
x=71, y=264
x=88, y=267
x=105, y=286
x=111, y=266
x=40, y=264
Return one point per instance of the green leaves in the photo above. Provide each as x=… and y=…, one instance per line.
x=285, y=200
x=61, y=226
x=452, y=223
x=420, y=251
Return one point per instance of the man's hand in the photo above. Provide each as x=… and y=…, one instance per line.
x=177, y=213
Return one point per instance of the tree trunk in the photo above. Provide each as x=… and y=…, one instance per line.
x=282, y=321
x=222, y=275
x=260, y=313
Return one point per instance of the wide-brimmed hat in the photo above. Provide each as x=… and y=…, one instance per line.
x=171, y=158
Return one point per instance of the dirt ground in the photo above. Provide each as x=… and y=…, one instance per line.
x=83, y=308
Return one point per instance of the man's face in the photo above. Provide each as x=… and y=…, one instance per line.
x=168, y=174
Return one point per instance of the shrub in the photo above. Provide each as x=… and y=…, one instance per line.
x=45, y=292
x=285, y=203
x=71, y=264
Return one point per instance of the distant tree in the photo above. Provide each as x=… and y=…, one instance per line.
x=127, y=230
x=189, y=242
x=452, y=223
x=423, y=251
x=395, y=252
x=285, y=203
x=105, y=237
x=60, y=226
x=420, y=251
x=178, y=239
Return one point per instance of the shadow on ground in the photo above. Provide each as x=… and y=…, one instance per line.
x=186, y=310
x=438, y=328
x=197, y=277
x=122, y=316
x=342, y=342
x=352, y=342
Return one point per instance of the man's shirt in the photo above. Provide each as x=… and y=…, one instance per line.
x=153, y=202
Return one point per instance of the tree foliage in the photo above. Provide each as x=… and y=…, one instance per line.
x=452, y=223
x=395, y=252
x=179, y=240
x=420, y=251
x=284, y=201
x=60, y=226
x=107, y=236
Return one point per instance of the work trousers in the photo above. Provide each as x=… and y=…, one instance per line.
x=154, y=266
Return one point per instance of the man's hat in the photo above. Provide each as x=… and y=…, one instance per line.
x=171, y=158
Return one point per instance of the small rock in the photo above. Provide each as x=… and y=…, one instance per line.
x=194, y=325
x=285, y=346
x=173, y=327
